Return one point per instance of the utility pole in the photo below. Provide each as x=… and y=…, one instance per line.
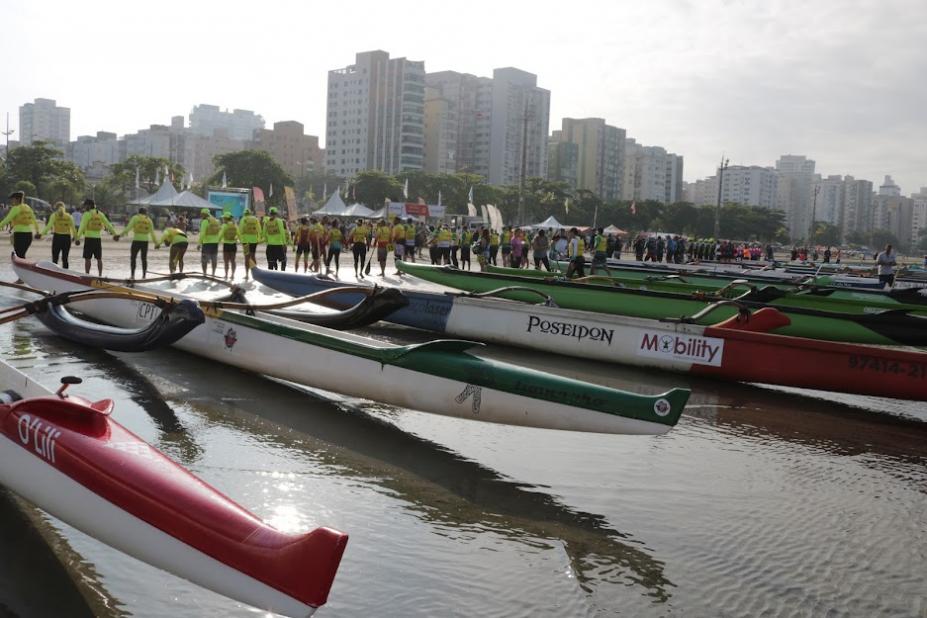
x=524, y=167
x=721, y=169
x=814, y=205
x=7, y=134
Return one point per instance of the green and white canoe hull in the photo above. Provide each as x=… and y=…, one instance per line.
x=440, y=377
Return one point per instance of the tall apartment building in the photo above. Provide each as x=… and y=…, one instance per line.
x=89, y=150
x=651, y=173
x=376, y=115
x=563, y=160
x=501, y=124
x=796, y=175
x=828, y=197
x=43, y=121
x=287, y=143
x=157, y=140
x=441, y=132
x=238, y=124
x=857, y=206
x=918, y=215
x=600, y=149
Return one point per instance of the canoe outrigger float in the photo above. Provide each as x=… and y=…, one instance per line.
x=882, y=328
x=737, y=349
x=438, y=377
x=67, y=456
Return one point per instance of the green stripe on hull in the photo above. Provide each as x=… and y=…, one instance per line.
x=644, y=304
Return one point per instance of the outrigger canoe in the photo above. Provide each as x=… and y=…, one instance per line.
x=440, y=377
x=68, y=456
x=737, y=349
x=883, y=328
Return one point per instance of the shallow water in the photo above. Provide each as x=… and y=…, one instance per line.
x=761, y=502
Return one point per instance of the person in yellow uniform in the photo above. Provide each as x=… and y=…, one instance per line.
x=443, y=237
x=63, y=231
x=301, y=241
x=399, y=241
x=383, y=236
x=506, y=246
x=143, y=232
x=360, y=240
x=466, y=240
x=275, y=235
x=316, y=240
x=228, y=234
x=600, y=252
x=209, y=240
x=335, y=238
x=493, y=246
x=23, y=221
x=410, y=241
x=249, y=232
x=176, y=238
x=92, y=224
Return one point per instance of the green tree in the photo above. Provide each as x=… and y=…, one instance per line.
x=879, y=238
x=317, y=186
x=48, y=176
x=150, y=174
x=252, y=168
x=826, y=234
x=372, y=188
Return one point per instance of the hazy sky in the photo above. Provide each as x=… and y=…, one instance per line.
x=841, y=81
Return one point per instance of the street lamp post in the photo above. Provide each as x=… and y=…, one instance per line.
x=814, y=206
x=7, y=134
x=721, y=169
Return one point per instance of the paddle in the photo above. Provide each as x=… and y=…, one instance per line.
x=369, y=261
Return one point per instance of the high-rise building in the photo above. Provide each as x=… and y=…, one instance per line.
x=501, y=124
x=651, y=173
x=376, y=115
x=197, y=152
x=519, y=120
x=600, y=164
x=796, y=174
x=919, y=216
x=750, y=185
x=238, y=124
x=563, y=160
x=94, y=152
x=441, y=132
x=43, y=121
x=893, y=213
x=888, y=188
x=156, y=141
x=828, y=199
x=857, y=206
x=296, y=152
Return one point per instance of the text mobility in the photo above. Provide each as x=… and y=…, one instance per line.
x=691, y=348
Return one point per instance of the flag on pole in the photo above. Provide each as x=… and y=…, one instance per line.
x=354, y=193
x=324, y=190
x=439, y=197
x=137, y=180
x=225, y=181
x=566, y=205
x=158, y=177
x=190, y=185
x=470, y=195
x=633, y=208
x=271, y=192
x=405, y=189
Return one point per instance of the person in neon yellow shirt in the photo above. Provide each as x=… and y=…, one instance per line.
x=275, y=234
x=209, y=240
x=176, y=237
x=142, y=232
x=92, y=225
x=228, y=234
x=62, y=224
x=335, y=238
x=249, y=231
x=23, y=221
x=360, y=240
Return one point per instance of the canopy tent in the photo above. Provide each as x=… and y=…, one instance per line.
x=379, y=214
x=334, y=206
x=548, y=223
x=165, y=192
x=357, y=210
x=614, y=230
x=188, y=199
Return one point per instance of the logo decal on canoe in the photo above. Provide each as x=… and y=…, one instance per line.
x=231, y=337
x=579, y=332
x=680, y=347
x=476, y=391
x=662, y=407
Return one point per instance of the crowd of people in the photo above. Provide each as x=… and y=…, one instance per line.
x=319, y=242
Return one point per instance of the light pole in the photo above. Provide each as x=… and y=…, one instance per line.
x=524, y=165
x=814, y=205
x=721, y=169
x=7, y=134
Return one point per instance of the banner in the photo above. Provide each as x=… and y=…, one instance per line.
x=258, y=201
x=289, y=197
x=417, y=210
x=231, y=201
x=409, y=209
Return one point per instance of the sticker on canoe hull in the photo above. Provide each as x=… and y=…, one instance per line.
x=680, y=347
x=476, y=392
x=662, y=407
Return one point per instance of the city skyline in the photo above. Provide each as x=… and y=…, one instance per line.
x=754, y=82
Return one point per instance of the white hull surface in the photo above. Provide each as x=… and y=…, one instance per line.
x=71, y=460
x=435, y=377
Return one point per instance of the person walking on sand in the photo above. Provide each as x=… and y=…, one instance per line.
x=23, y=221
x=92, y=225
x=228, y=234
x=142, y=232
x=63, y=231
